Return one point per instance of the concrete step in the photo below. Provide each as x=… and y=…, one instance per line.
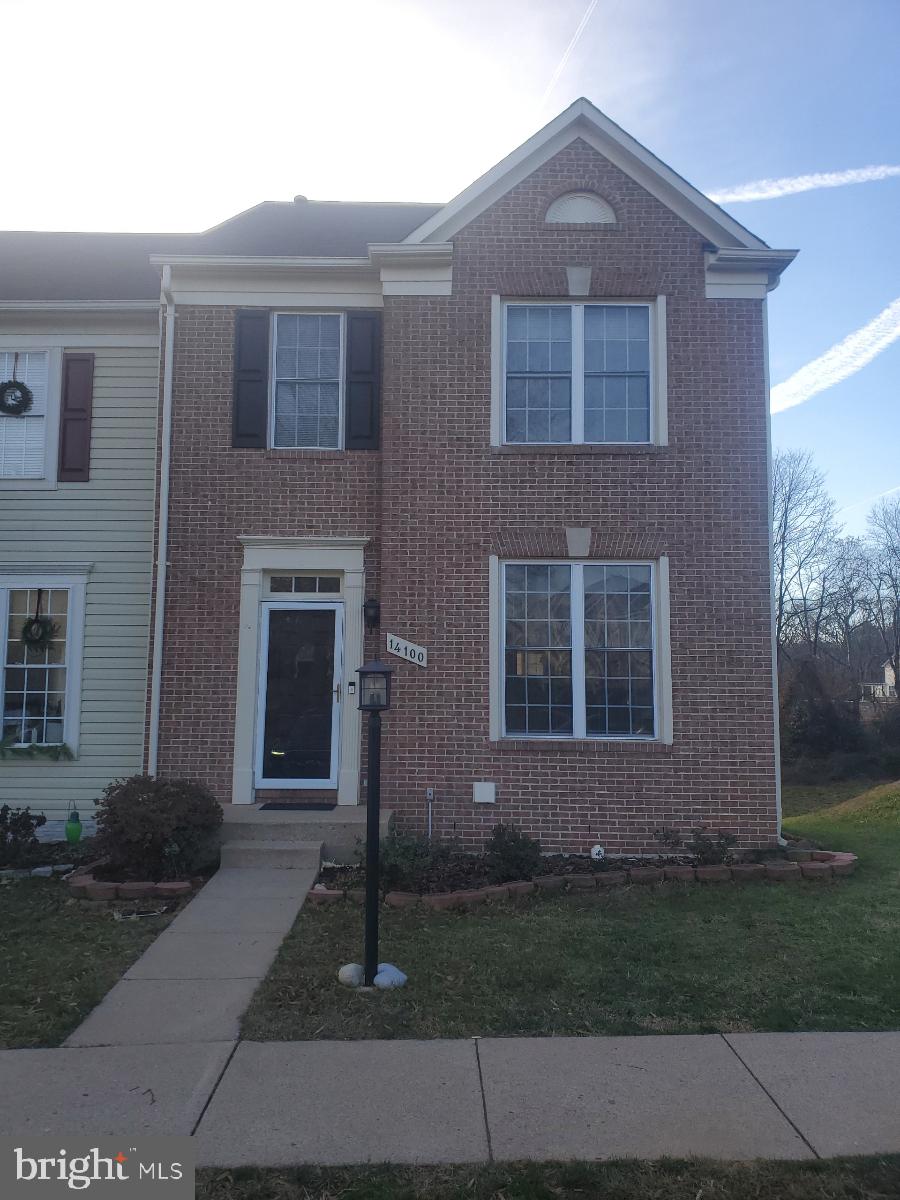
x=341, y=831
x=283, y=855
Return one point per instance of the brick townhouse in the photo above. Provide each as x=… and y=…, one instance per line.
x=527, y=431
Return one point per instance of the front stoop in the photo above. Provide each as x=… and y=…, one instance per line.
x=252, y=837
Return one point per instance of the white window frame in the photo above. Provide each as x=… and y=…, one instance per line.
x=76, y=587
x=659, y=430
x=9, y=342
x=342, y=375
x=660, y=646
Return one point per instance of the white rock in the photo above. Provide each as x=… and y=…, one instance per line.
x=351, y=975
x=389, y=976
x=63, y=868
x=41, y=872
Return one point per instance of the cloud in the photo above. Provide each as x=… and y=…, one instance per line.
x=841, y=361
x=772, y=189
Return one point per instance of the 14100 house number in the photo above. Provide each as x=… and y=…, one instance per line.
x=408, y=650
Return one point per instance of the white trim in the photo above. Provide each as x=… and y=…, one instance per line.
x=341, y=381
x=274, y=262
x=81, y=306
x=658, y=366
x=47, y=481
x=288, y=555
x=660, y=648
x=583, y=120
x=75, y=582
x=261, y=781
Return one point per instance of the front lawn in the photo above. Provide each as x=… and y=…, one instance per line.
x=671, y=958
x=835, y=1179
x=58, y=958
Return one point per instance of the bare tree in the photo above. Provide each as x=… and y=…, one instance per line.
x=803, y=534
x=884, y=577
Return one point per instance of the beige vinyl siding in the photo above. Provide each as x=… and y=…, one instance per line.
x=109, y=523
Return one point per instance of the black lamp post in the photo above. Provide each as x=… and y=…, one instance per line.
x=374, y=698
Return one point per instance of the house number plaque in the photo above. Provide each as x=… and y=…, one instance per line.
x=417, y=655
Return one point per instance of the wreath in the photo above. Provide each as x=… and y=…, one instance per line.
x=38, y=632
x=15, y=398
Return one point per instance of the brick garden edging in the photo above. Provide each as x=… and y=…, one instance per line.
x=799, y=864
x=83, y=886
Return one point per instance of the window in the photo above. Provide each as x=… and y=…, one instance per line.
x=35, y=681
x=308, y=354
x=23, y=440
x=579, y=650
x=306, y=584
x=579, y=373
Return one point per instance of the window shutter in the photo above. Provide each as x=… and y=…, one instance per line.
x=251, y=379
x=363, y=384
x=75, y=418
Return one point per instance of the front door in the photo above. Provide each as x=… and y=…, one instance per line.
x=298, y=737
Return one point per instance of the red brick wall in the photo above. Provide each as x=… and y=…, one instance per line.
x=439, y=500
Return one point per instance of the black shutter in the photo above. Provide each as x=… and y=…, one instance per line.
x=363, y=390
x=251, y=379
x=75, y=418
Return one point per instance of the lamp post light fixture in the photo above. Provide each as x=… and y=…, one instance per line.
x=374, y=698
x=372, y=613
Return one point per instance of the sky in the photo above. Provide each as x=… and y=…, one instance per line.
x=174, y=116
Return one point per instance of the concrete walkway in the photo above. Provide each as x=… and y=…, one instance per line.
x=195, y=981
x=793, y=1095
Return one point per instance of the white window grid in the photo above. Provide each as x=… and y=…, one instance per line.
x=275, y=379
x=577, y=375
x=23, y=439
x=579, y=702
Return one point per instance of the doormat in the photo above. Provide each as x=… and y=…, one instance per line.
x=276, y=807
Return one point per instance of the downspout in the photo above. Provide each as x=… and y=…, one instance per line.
x=776, y=711
x=162, y=545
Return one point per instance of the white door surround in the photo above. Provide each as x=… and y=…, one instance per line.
x=267, y=555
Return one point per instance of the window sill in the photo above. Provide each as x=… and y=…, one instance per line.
x=513, y=745
x=563, y=449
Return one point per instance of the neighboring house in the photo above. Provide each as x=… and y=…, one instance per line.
x=532, y=424
x=884, y=688
x=79, y=325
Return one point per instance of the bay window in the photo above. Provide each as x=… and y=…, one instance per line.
x=579, y=650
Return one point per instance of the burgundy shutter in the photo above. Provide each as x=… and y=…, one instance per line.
x=363, y=383
x=75, y=418
x=251, y=379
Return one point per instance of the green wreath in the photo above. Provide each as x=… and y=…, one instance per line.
x=16, y=398
x=38, y=632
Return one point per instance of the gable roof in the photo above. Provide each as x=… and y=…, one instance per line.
x=583, y=120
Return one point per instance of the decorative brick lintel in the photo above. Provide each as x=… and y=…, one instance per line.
x=826, y=865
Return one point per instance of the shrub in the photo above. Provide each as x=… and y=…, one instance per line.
x=710, y=849
x=17, y=836
x=157, y=828
x=511, y=854
x=406, y=860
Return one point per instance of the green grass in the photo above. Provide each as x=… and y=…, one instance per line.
x=670, y=1179
x=800, y=798
x=673, y=958
x=58, y=958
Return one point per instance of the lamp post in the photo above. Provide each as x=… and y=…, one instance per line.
x=374, y=698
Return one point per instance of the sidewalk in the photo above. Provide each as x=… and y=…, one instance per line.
x=757, y=1095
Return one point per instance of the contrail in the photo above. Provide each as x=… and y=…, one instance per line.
x=772, y=189
x=868, y=500
x=576, y=37
x=845, y=359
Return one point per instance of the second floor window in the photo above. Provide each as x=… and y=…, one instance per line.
x=308, y=353
x=577, y=373
x=23, y=438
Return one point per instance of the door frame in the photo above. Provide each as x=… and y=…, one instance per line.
x=264, y=555
x=266, y=609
